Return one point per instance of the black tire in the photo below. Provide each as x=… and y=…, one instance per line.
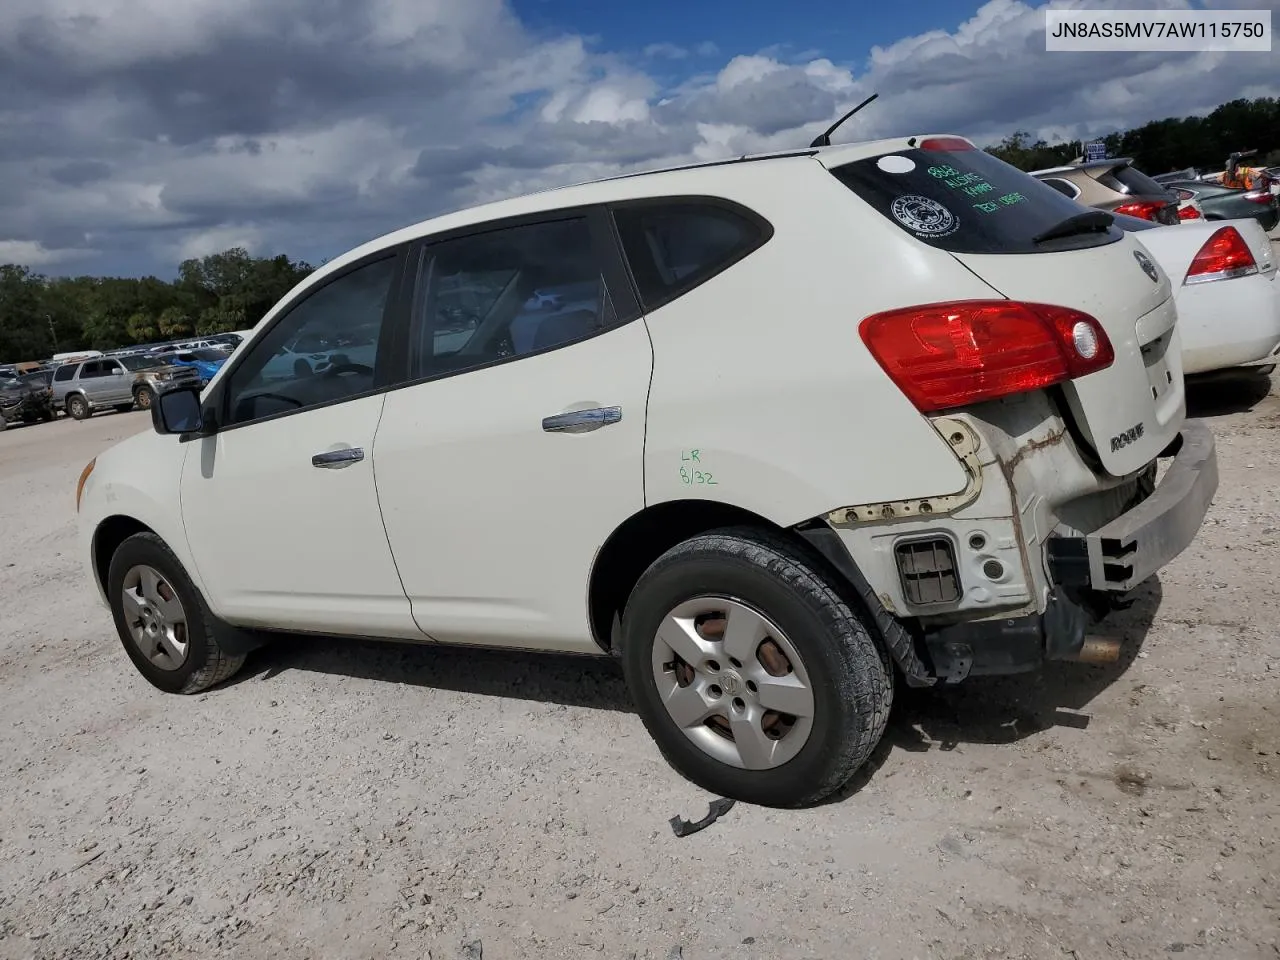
x=849, y=671
x=78, y=407
x=206, y=664
x=143, y=398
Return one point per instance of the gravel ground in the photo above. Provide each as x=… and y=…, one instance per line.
x=356, y=800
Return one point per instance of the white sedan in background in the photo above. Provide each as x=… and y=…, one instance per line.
x=1224, y=278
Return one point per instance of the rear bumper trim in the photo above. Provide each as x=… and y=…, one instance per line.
x=1136, y=544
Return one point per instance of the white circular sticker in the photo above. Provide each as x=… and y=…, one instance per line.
x=896, y=163
x=923, y=215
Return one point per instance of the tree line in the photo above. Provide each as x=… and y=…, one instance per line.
x=1163, y=146
x=41, y=315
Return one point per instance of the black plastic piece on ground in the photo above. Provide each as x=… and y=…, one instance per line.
x=715, y=810
x=900, y=643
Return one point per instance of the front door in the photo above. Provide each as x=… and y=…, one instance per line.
x=502, y=475
x=280, y=507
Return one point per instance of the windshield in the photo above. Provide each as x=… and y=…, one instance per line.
x=965, y=200
x=139, y=363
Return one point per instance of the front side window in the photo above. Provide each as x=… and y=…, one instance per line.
x=507, y=293
x=673, y=247
x=91, y=370
x=65, y=372
x=340, y=323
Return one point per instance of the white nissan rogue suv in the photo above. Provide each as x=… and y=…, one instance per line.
x=776, y=432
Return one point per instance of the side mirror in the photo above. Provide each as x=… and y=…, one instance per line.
x=177, y=411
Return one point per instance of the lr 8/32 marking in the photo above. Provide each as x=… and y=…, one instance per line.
x=691, y=472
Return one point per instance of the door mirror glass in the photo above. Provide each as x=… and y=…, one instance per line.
x=177, y=411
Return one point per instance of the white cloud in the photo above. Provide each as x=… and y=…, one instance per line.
x=33, y=253
x=201, y=243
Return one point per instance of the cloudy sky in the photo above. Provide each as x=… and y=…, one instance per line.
x=136, y=133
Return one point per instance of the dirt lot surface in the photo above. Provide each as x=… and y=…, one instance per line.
x=344, y=800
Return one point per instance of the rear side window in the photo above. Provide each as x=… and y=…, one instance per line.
x=66, y=372
x=966, y=201
x=673, y=246
x=1125, y=179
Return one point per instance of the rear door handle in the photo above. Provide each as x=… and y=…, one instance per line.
x=580, y=421
x=332, y=459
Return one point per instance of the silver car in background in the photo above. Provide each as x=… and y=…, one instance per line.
x=121, y=383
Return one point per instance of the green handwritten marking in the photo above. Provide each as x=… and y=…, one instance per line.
x=943, y=172
x=1009, y=199
x=988, y=207
x=978, y=189
x=964, y=181
x=692, y=477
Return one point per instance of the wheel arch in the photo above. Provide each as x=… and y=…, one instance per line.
x=646, y=535
x=107, y=537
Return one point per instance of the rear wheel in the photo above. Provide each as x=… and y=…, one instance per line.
x=78, y=407
x=143, y=397
x=751, y=672
x=162, y=620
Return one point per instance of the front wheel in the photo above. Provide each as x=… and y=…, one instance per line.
x=143, y=397
x=752, y=673
x=78, y=407
x=162, y=620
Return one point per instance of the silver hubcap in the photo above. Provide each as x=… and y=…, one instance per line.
x=155, y=617
x=733, y=682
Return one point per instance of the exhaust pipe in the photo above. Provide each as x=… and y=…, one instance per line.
x=1099, y=650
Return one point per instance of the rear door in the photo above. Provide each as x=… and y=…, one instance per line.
x=999, y=222
x=519, y=447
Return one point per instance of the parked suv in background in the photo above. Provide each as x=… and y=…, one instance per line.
x=118, y=382
x=1117, y=186
x=771, y=431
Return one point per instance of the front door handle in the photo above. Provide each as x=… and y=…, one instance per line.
x=580, y=421
x=332, y=459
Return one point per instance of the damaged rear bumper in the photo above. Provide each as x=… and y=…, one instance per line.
x=1110, y=561
x=1133, y=546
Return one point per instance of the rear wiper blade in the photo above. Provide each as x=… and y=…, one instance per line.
x=1090, y=221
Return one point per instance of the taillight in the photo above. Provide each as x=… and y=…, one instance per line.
x=1143, y=209
x=1259, y=196
x=944, y=355
x=1188, y=213
x=1223, y=256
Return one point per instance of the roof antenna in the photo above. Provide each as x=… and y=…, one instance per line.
x=824, y=139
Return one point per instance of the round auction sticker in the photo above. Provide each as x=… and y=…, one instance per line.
x=924, y=215
x=896, y=163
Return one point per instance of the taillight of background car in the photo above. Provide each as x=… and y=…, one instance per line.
x=945, y=355
x=1159, y=211
x=1224, y=255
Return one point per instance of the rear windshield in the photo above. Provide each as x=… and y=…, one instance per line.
x=967, y=201
x=1125, y=179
